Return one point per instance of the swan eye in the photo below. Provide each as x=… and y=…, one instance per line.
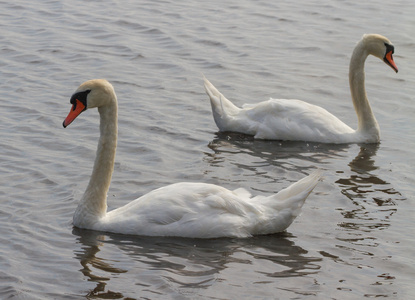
x=80, y=96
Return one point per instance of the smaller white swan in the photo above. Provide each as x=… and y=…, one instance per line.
x=295, y=120
x=196, y=210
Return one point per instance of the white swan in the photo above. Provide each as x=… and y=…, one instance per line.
x=295, y=120
x=195, y=210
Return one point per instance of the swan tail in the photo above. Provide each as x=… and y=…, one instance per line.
x=294, y=196
x=222, y=108
x=282, y=208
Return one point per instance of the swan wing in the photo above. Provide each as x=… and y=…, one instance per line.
x=203, y=210
x=289, y=119
x=279, y=119
x=185, y=209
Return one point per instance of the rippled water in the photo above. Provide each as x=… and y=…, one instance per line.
x=355, y=237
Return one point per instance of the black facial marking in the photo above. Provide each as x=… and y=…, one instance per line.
x=389, y=48
x=81, y=96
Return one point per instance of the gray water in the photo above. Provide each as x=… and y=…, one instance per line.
x=355, y=237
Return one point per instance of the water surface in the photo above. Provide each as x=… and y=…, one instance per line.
x=355, y=237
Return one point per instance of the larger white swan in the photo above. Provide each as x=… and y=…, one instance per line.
x=195, y=210
x=295, y=120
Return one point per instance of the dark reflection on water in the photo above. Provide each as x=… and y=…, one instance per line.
x=186, y=263
x=260, y=162
x=91, y=242
x=275, y=152
x=363, y=229
x=374, y=198
x=363, y=182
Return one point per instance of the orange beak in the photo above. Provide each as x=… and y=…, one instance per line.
x=389, y=60
x=76, y=110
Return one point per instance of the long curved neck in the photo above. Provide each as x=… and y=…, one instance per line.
x=94, y=200
x=366, y=118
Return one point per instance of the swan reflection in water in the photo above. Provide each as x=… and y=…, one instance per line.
x=364, y=227
x=90, y=242
x=374, y=199
x=171, y=265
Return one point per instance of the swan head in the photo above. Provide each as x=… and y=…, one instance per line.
x=381, y=47
x=90, y=94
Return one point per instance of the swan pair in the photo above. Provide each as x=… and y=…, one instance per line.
x=200, y=210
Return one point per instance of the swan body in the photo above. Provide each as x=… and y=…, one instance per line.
x=296, y=120
x=186, y=209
